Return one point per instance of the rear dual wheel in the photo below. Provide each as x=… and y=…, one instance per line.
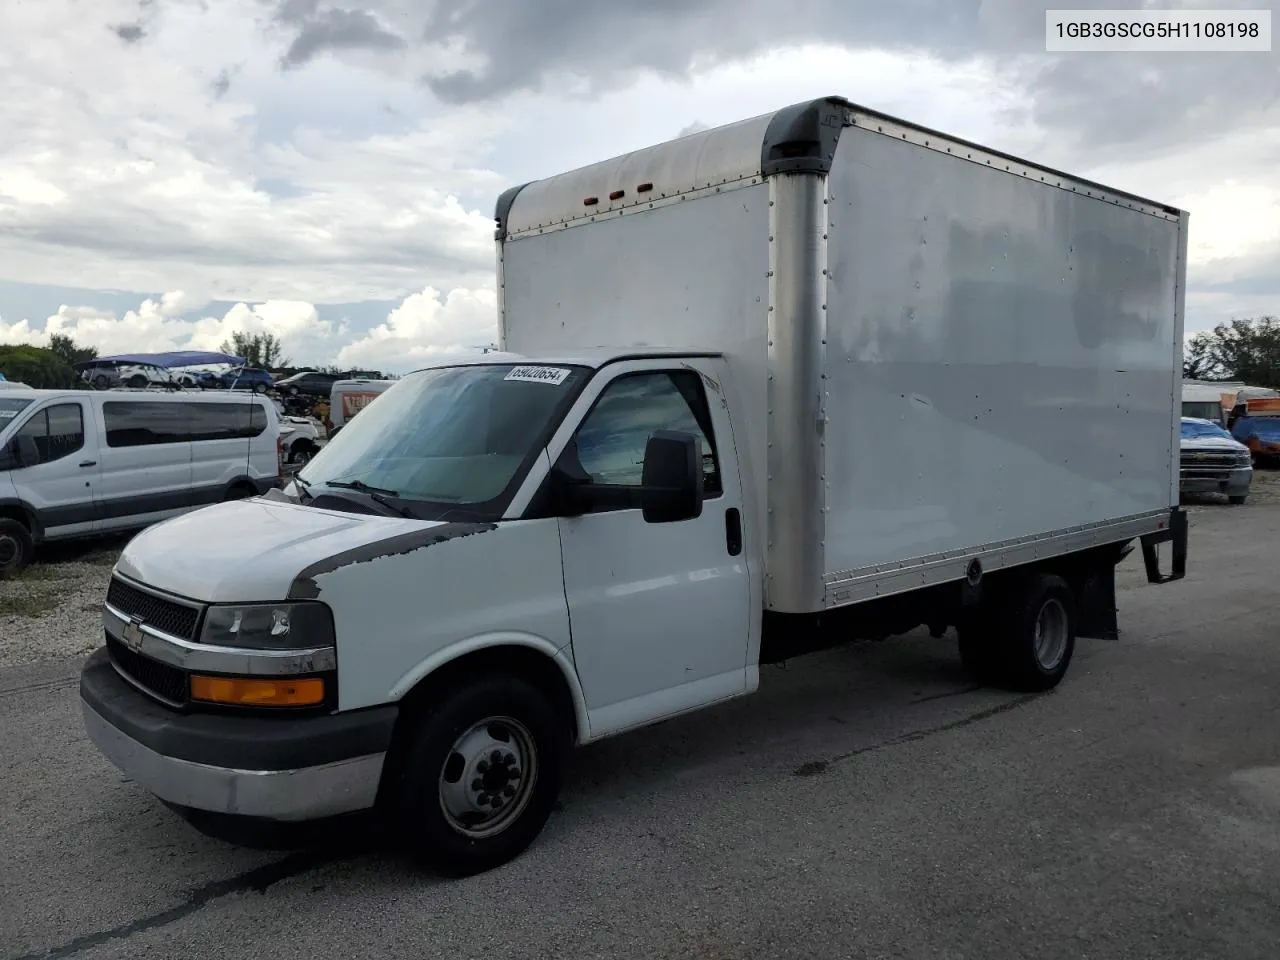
x=1024, y=636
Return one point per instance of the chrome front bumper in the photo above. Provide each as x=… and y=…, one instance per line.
x=305, y=793
x=287, y=768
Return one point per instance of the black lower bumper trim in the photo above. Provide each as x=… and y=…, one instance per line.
x=242, y=743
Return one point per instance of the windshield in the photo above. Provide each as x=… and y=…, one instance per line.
x=1204, y=409
x=1192, y=430
x=9, y=408
x=448, y=439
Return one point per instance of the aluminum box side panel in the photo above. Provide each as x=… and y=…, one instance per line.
x=690, y=274
x=1000, y=357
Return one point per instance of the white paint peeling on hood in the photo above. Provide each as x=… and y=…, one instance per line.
x=249, y=550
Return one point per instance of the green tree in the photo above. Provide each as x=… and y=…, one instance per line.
x=37, y=367
x=69, y=351
x=1244, y=350
x=258, y=349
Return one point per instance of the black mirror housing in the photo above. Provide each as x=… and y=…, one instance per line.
x=24, y=451
x=671, y=479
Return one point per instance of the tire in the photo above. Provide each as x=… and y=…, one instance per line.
x=1238, y=500
x=293, y=391
x=137, y=381
x=101, y=382
x=301, y=452
x=446, y=756
x=1034, y=632
x=238, y=493
x=259, y=388
x=16, y=548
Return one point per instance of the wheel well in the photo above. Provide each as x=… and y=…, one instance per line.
x=11, y=511
x=524, y=662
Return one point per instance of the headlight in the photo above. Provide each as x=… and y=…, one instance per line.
x=269, y=626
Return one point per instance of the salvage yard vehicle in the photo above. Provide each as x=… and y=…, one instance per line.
x=349, y=397
x=814, y=376
x=76, y=463
x=1258, y=428
x=1212, y=461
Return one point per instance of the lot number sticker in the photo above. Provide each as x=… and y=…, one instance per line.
x=552, y=375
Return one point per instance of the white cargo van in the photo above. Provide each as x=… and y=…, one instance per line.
x=813, y=376
x=76, y=463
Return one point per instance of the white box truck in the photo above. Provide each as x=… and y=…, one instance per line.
x=818, y=375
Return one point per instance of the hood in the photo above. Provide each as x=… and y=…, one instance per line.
x=247, y=550
x=1211, y=443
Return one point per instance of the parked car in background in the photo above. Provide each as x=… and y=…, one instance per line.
x=299, y=438
x=1212, y=461
x=104, y=374
x=76, y=463
x=349, y=397
x=309, y=382
x=239, y=378
x=1261, y=434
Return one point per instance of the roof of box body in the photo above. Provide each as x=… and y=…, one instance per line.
x=800, y=138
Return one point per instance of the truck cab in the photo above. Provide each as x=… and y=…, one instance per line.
x=462, y=540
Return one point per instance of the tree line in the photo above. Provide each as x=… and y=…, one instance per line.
x=1244, y=350
x=53, y=367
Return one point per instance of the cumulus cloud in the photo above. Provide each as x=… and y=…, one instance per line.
x=425, y=325
x=113, y=176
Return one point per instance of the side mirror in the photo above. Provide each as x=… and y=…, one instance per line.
x=20, y=452
x=671, y=479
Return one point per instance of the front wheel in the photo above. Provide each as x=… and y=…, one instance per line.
x=16, y=548
x=1237, y=500
x=480, y=775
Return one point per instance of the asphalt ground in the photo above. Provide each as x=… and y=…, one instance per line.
x=867, y=802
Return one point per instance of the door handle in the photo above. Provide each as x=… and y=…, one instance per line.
x=733, y=531
x=88, y=463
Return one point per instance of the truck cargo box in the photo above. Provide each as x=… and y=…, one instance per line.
x=946, y=354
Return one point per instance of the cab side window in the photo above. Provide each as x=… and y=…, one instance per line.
x=58, y=431
x=611, y=441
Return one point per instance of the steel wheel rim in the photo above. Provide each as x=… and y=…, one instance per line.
x=1051, y=631
x=10, y=550
x=487, y=779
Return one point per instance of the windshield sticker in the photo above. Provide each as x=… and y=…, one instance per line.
x=552, y=375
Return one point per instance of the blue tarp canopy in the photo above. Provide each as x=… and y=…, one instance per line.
x=177, y=358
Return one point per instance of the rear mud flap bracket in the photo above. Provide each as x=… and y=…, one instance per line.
x=1175, y=533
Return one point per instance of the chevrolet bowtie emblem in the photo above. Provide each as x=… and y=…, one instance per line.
x=131, y=635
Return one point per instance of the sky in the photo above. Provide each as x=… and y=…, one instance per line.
x=173, y=171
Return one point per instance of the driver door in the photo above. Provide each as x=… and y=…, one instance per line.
x=659, y=612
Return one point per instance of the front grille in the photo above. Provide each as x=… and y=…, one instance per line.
x=159, y=614
x=1214, y=460
x=159, y=679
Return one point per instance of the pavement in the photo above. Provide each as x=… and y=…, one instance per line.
x=867, y=802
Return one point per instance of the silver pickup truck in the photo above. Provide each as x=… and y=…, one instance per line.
x=1213, y=461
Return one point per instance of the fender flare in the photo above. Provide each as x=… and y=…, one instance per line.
x=560, y=656
x=30, y=512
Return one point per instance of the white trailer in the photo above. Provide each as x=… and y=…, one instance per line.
x=816, y=375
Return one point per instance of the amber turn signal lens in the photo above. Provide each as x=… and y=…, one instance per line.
x=245, y=692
